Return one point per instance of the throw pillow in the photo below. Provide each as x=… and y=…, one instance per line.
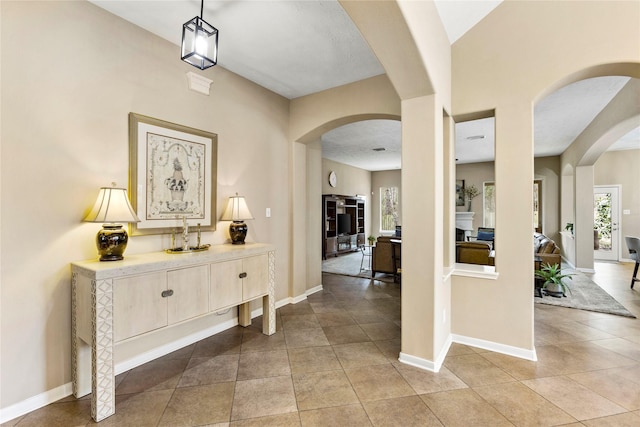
x=485, y=235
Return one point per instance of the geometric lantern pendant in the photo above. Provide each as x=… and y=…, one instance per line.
x=200, y=42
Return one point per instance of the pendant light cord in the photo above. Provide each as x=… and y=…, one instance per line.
x=201, y=8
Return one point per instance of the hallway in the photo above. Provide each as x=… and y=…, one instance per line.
x=333, y=362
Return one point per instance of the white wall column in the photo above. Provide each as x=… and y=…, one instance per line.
x=583, y=228
x=423, y=302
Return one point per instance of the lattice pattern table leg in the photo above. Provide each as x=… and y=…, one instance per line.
x=103, y=403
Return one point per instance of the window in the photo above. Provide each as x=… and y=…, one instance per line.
x=489, y=208
x=388, y=208
x=489, y=205
x=537, y=205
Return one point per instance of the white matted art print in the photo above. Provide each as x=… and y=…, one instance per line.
x=172, y=175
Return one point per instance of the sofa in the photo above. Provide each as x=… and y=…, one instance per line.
x=479, y=252
x=382, y=256
x=545, y=250
x=475, y=252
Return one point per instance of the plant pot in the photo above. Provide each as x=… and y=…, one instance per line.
x=554, y=290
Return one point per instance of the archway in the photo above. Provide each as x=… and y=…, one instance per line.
x=620, y=115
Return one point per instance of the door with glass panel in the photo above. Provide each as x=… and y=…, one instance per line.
x=605, y=223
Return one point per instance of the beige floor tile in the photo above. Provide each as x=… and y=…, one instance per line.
x=316, y=390
x=617, y=389
x=463, y=408
x=459, y=349
x=522, y=406
x=555, y=335
x=402, y=411
x=335, y=319
x=621, y=346
x=160, y=374
x=573, y=398
x=313, y=359
x=257, y=341
x=285, y=420
x=210, y=370
x=138, y=410
x=377, y=382
x=351, y=415
x=552, y=361
x=305, y=338
x=628, y=419
x=616, y=325
x=345, y=334
x=390, y=348
x=227, y=342
x=367, y=316
x=263, y=397
x=429, y=382
x=263, y=364
x=475, y=370
x=596, y=356
x=299, y=321
x=67, y=414
x=191, y=406
x=300, y=308
x=381, y=331
x=359, y=354
x=631, y=373
x=326, y=307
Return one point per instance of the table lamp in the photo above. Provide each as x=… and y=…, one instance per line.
x=237, y=211
x=112, y=207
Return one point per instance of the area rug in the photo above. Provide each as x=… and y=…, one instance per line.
x=585, y=295
x=349, y=265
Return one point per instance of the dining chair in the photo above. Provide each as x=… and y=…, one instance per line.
x=633, y=244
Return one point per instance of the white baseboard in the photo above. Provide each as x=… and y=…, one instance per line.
x=36, y=402
x=425, y=364
x=53, y=395
x=518, y=352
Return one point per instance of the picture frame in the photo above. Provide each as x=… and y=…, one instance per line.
x=460, y=199
x=172, y=175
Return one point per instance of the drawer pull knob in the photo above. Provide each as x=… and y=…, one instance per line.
x=242, y=275
x=167, y=293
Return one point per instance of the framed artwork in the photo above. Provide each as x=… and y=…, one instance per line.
x=172, y=175
x=460, y=192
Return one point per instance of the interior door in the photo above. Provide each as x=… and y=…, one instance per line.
x=605, y=223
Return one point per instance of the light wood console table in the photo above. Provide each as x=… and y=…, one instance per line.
x=125, y=300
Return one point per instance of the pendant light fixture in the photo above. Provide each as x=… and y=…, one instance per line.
x=200, y=42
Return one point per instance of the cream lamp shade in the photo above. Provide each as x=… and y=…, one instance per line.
x=237, y=211
x=112, y=207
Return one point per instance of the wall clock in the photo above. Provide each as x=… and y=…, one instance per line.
x=333, y=179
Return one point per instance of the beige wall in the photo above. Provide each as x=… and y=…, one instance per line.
x=65, y=133
x=621, y=168
x=351, y=180
x=504, y=64
x=390, y=178
x=546, y=169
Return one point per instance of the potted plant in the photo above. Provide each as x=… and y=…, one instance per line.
x=552, y=277
x=471, y=192
x=371, y=240
x=569, y=227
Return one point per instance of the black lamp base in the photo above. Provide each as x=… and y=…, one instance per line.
x=238, y=232
x=111, y=241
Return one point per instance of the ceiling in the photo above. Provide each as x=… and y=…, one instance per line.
x=299, y=47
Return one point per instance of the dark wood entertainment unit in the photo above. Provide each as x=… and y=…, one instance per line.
x=342, y=224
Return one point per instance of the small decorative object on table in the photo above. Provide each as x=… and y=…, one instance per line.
x=185, y=248
x=471, y=192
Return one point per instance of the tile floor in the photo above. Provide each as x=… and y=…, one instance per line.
x=333, y=361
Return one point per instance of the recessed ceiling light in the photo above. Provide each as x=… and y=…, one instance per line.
x=474, y=137
x=380, y=149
